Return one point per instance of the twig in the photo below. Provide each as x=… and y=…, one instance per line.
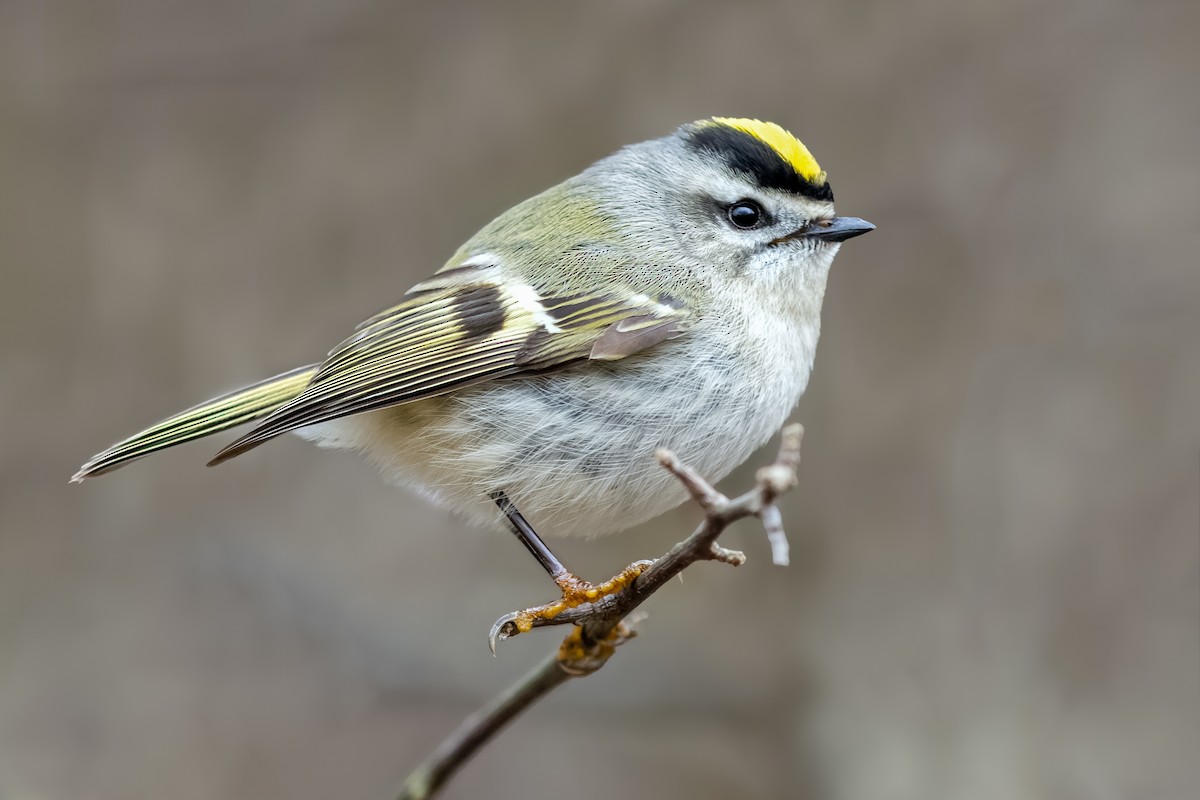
x=599, y=630
x=477, y=729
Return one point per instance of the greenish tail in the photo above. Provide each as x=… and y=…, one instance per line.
x=214, y=416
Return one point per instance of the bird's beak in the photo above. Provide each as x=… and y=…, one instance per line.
x=829, y=229
x=837, y=229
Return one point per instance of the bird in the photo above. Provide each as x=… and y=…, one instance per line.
x=667, y=296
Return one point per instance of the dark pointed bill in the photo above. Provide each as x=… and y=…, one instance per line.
x=839, y=229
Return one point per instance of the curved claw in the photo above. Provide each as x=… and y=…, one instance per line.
x=575, y=592
x=503, y=628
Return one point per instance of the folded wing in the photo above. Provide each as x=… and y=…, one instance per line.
x=452, y=333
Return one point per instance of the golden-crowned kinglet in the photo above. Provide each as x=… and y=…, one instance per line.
x=667, y=296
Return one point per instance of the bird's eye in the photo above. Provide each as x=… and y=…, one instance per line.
x=745, y=214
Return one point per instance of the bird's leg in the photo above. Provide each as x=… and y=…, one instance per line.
x=575, y=590
x=528, y=536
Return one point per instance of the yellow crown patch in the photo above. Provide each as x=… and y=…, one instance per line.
x=789, y=148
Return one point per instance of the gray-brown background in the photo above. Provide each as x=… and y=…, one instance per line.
x=996, y=588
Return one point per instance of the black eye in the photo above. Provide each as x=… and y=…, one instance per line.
x=745, y=214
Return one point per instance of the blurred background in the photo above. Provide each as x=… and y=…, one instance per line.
x=995, y=591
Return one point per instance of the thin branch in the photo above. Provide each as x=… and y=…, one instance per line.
x=479, y=728
x=599, y=630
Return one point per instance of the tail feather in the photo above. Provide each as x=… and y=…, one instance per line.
x=221, y=413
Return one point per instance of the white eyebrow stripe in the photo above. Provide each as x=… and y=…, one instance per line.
x=528, y=299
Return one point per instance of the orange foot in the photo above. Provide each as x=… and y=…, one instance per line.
x=575, y=592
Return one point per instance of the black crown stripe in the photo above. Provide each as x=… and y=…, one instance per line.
x=756, y=160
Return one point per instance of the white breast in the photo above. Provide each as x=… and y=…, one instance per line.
x=574, y=450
